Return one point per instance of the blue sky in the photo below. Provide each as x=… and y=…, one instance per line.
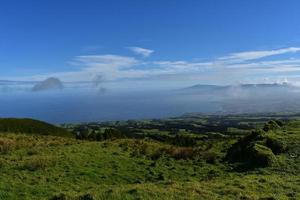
x=172, y=43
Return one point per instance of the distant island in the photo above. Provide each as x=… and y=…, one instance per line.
x=48, y=84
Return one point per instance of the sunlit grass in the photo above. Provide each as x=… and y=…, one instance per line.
x=50, y=167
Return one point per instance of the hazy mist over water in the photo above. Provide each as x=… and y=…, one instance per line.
x=60, y=107
x=86, y=104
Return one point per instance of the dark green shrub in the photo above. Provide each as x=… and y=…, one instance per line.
x=211, y=174
x=32, y=151
x=251, y=151
x=262, y=156
x=279, y=122
x=271, y=125
x=81, y=132
x=99, y=137
x=59, y=197
x=184, y=140
x=112, y=133
x=93, y=136
x=210, y=157
x=267, y=198
x=86, y=197
x=157, y=154
x=239, y=151
x=277, y=145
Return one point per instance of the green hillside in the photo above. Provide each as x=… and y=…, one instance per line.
x=251, y=164
x=30, y=126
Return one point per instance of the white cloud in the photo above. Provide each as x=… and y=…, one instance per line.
x=235, y=67
x=111, y=61
x=141, y=51
x=252, y=55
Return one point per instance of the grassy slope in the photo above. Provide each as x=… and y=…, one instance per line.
x=31, y=126
x=38, y=167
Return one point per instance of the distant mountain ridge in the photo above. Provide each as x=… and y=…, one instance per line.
x=249, y=87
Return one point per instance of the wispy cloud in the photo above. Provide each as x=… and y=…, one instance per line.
x=253, y=55
x=109, y=60
x=112, y=67
x=235, y=67
x=141, y=51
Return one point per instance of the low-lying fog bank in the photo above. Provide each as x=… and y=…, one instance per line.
x=81, y=104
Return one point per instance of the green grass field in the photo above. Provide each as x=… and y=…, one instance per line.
x=36, y=166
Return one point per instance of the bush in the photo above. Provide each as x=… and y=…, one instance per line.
x=211, y=174
x=239, y=150
x=280, y=123
x=272, y=125
x=59, y=197
x=276, y=145
x=86, y=197
x=209, y=157
x=32, y=151
x=6, y=145
x=183, y=153
x=140, y=148
x=251, y=150
x=158, y=153
x=84, y=133
x=183, y=140
x=262, y=156
x=37, y=163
